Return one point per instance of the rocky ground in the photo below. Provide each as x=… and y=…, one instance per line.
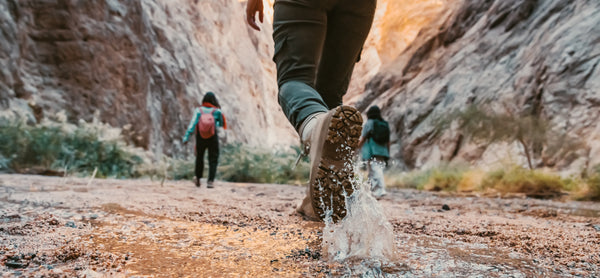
x=66, y=227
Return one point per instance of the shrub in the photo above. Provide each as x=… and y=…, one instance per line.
x=535, y=134
x=239, y=163
x=4, y=163
x=183, y=169
x=471, y=181
x=593, y=192
x=592, y=186
x=54, y=148
x=413, y=179
x=82, y=149
x=445, y=177
x=457, y=178
x=533, y=183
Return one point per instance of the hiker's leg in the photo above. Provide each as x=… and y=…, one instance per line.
x=299, y=33
x=200, y=149
x=377, y=179
x=300, y=27
x=213, y=157
x=370, y=173
x=348, y=25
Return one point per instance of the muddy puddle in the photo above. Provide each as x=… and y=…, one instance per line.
x=68, y=227
x=176, y=248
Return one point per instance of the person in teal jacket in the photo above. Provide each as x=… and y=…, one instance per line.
x=210, y=105
x=375, y=153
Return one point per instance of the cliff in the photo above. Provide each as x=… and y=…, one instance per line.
x=530, y=58
x=143, y=65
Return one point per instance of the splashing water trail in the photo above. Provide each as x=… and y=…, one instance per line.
x=364, y=235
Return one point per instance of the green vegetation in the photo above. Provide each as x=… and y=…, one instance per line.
x=513, y=179
x=243, y=164
x=535, y=184
x=540, y=142
x=85, y=148
x=442, y=178
x=592, y=189
x=81, y=149
x=238, y=163
x=533, y=133
x=51, y=147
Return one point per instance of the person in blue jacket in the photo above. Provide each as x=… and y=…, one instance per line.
x=206, y=138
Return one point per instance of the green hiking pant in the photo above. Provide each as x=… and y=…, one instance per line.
x=317, y=43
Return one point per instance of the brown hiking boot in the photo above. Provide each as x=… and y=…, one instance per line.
x=332, y=142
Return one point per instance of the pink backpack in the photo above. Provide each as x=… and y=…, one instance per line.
x=206, y=124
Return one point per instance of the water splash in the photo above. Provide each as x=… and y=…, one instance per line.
x=364, y=235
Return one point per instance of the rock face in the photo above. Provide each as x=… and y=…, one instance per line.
x=533, y=57
x=396, y=25
x=144, y=64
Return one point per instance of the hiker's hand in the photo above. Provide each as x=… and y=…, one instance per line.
x=252, y=8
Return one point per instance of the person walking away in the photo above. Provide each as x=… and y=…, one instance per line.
x=375, y=146
x=317, y=43
x=204, y=124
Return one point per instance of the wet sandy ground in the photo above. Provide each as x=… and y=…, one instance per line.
x=66, y=227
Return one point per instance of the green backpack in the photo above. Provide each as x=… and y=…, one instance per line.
x=380, y=132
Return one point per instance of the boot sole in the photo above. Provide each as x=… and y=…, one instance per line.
x=332, y=181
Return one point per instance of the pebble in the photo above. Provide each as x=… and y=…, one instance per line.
x=71, y=224
x=445, y=207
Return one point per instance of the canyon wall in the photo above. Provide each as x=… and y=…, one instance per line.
x=142, y=65
x=529, y=58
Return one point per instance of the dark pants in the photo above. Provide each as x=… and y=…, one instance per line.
x=317, y=43
x=212, y=144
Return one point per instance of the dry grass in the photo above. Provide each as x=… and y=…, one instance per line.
x=443, y=178
x=533, y=183
x=593, y=189
x=590, y=191
x=471, y=181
